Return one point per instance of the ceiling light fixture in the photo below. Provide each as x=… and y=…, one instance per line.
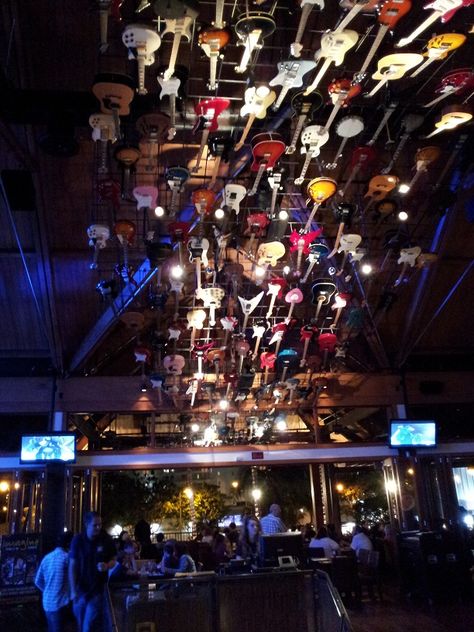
x=260, y=272
x=283, y=215
x=403, y=216
x=159, y=211
x=366, y=269
x=403, y=188
x=219, y=213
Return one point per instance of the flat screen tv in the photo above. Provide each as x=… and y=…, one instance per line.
x=273, y=546
x=55, y=446
x=405, y=433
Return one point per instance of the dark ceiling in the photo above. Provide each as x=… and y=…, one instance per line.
x=55, y=320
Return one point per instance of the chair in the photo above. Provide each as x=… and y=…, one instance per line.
x=315, y=552
x=369, y=573
x=345, y=578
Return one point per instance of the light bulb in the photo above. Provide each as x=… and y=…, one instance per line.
x=403, y=216
x=223, y=404
x=403, y=188
x=366, y=268
x=260, y=272
x=159, y=211
x=283, y=215
x=219, y=213
x=281, y=425
x=177, y=272
x=195, y=427
x=262, y=91
x=286, y=270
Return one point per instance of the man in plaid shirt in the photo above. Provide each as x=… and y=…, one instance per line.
x=272, y=523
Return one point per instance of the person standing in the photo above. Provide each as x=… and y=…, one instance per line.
x=272, y=522
x=52, y=579
x=92, y=555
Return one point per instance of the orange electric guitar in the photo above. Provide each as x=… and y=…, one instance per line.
x=212, y=40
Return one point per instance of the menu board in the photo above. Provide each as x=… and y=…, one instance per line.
x=19, y=561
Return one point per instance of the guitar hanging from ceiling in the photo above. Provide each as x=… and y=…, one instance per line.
x=251, y=29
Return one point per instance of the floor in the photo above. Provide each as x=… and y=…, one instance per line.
x=401, y=615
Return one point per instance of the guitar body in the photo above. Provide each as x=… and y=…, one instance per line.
x=291, y=73
x=448, y=7
x=254, y=21
x=153, y=127
x=220, y=146
x=180, y=174
x=393, y=10
x=334, y=46
x=182, y=25
x=266, y=147
x=392, y=67
x=321, y=189
x=141, y=40
x=203, y=200
x=233, y=195
x=343, y=212
x=322, y=291
x=125, y=231
x=269, y=253
x=146, y=196
x=364, y=156
x=440, y=46
x=312, y=138
x=256, y=104
x=115, y=92
x=306, y=105
x=342, y=91
x=380, y=186
x=213, y=40
x=175, y=9
x=103, y=127
x=208, y=111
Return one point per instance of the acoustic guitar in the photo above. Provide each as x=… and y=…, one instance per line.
x=115, y=92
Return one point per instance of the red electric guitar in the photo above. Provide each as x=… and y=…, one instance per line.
x=362, y=158
x=266, y=149
x=455, y=82
x=208, y=112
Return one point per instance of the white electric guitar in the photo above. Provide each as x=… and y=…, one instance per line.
x=98, y=235
x=257, y=101
x=179, y=28
x=290, y=75
x=141, y=41
x=170, y=87
x=233, y=196
x=334, y=46
x=103, y=132
x=407, y=258
x=306, y=8
x=312, y=138
x=443, y=9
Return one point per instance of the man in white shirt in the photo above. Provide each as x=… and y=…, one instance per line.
x=272, y=522
x=360, y=541
x=52, y=579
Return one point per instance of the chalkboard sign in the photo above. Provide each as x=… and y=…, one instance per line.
x=19, y=561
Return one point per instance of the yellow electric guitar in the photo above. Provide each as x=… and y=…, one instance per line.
x=438, y=48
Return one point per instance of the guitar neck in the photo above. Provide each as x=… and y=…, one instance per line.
x=219, y=24
x=381, y=126
x=213, y=70
x=261, y=170
x=349, y=17
x=273, y=202
x=332, y=116
x=251, y=42
x=281, y=97
x=172, y=130
x=322, y=71
x=174, y=201
x=296, y=46
x=103, y=144
x=245, y=132
x=215, y=171
x=352, y=175
x=104, y=24
x=205, y=136
x=383, y=28
x=307, y=160
x=141, y=72
x=431, y=19
x=398, y=151
x=174, y=54
x=299, y=126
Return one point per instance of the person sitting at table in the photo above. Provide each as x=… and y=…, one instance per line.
x=360, y=540
x=119, y=572
x=247, y=546
x=176, y=559
x=272, y=522
x=323, y=541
